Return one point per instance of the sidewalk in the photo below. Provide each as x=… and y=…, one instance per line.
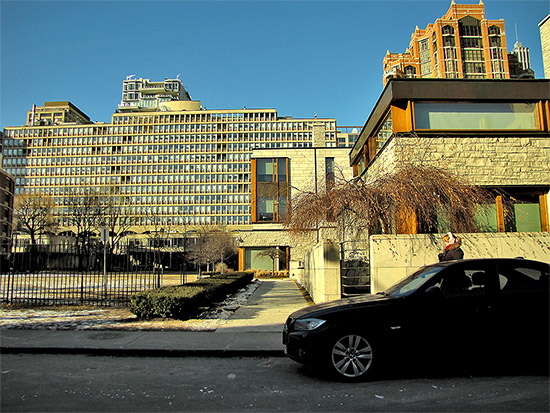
x=255, y=328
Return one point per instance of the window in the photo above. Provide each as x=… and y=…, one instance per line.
x=271, y=184
x=329, y=172
x=523, y=213
x=518, y=277
x=466, y=280
x=475, y=116
x=514, y=211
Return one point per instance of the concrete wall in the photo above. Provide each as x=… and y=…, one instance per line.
x=393, y=257
x=321, y=275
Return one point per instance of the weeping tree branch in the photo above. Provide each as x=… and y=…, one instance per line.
x=429, y=193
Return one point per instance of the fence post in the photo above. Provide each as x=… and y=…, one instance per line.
x=105, y=239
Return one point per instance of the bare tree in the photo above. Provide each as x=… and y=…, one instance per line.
x=157, y=236
x=198, y=253
x=85, y=213
x=34, y=215
x=212, y=244
x=115, y=217
x=220, y=244
x=417, y=196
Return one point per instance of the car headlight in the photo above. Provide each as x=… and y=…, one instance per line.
x=307, y=324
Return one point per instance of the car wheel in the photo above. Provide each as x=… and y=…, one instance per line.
x=351, y=356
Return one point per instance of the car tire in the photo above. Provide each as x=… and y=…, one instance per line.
x=351, y=356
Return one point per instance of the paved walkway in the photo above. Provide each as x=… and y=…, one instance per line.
x=254, y=329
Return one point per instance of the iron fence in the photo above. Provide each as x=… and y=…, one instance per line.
x=63, y=274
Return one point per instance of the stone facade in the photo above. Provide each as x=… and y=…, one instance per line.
x=484, y=161
x=307, y=168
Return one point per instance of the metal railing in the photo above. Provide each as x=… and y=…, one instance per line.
x=61, y=275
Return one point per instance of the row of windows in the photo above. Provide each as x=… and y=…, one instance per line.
x=124, y=169
x=125, y=201
x=170, y=210
x=45, y=149
x=135, y=144
x=151, y=179
x=180, y=220
x=135, y=160
x=156, y=189
x=172, y=128
x=127, y=139
x=196, y=117
x=180, y=199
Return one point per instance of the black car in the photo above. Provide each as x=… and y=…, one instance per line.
x=450, y=312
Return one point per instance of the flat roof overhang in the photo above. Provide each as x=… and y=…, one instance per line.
x=398, y=92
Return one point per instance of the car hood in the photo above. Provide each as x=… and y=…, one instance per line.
x=342, y=304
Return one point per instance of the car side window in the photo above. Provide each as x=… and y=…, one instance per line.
x=519, y=277
x=465, y=280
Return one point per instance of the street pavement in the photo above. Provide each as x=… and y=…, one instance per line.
x=254, y=329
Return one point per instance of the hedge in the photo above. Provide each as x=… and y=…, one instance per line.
x=182, y=302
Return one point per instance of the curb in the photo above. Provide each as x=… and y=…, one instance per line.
x=143, y=352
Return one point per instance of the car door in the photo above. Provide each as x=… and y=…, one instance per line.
x=522, y=306
x=458, y=308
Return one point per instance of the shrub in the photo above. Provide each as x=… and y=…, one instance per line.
x=269, y=274
x=223, y=268
x=184, y=301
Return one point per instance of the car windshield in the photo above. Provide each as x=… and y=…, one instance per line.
x=414, y=281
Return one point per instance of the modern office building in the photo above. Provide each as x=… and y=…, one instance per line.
x=177, y=166
x=461, y=44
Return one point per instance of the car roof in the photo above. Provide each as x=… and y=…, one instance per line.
x=496, y=260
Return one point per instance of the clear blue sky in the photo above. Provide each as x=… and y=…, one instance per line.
x=299, y=57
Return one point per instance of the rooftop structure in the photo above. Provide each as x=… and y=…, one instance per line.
x=145, y=95
x=56, y=113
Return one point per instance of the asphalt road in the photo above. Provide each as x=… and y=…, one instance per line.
x=38, y=382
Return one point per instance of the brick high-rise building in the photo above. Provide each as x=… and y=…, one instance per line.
x=461, y=44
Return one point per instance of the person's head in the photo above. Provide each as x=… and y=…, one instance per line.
x=451, y=239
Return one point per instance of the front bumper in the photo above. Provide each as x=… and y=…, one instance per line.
x=302, y=346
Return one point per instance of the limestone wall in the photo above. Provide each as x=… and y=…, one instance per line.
x=307, y=165
x=504, y=161
x=393, y=257
x=321, y=274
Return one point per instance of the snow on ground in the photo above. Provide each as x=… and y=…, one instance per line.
x=101, y=318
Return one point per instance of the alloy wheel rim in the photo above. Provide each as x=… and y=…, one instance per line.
x=352, y=356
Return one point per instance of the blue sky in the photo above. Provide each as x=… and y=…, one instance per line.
x=299, y=57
